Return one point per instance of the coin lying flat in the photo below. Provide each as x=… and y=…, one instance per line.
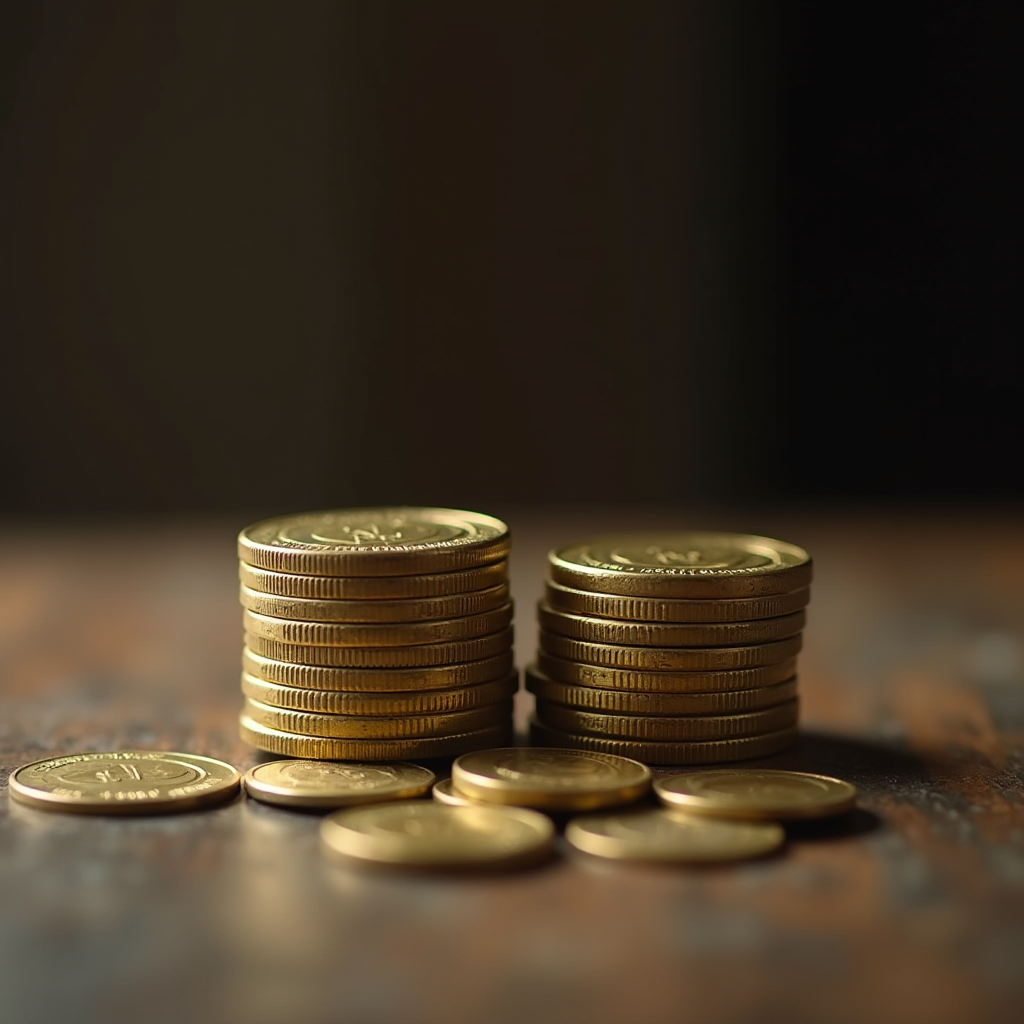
x=667, y=838
x=330, y=784
x=124, y=782
x=445, y=793
x=397, y=541
x=418, y=833
x=756, y=794
x=565, y=780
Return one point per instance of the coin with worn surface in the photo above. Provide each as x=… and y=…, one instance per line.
x=563, y=780
x=632, y=702
x=330, y=784
x=672, y=838
x=124, y=782
x=424, y=834
x=756, y=793
x=651, y=609
x=446, y=793
x=682, y=565
x=397, y=541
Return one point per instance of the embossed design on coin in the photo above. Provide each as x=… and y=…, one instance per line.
x=329, y=784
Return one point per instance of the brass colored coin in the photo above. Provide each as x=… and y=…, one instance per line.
x=670, y=634
x=383, y=657
x=124, y=782
x=652, y=609
x=653, y=835
x=397, y=541
x=705, y=752
x=756, y=794
x=300, y=783
x=399, y=702
x=674, y=729
x=683, y=565
x=445, y=793
x=422, y=834
x=373, y=588
x=632, y=702
x=372, y=727
x=670, y=659
x=641, y=681
x=276, y=741
x=374, y=680
x=455, y=606
x=557, y=780
x=380, y=634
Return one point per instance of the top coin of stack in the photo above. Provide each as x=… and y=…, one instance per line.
x=376, y=634
x=671, y=648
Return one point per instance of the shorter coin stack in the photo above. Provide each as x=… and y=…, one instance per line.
x=671, y=648
x=377, y=634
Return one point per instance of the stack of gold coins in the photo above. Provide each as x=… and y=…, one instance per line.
x=376, y=634
x=671, y=648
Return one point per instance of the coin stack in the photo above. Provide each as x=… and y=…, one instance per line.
x=671, y=648
x=376, y=634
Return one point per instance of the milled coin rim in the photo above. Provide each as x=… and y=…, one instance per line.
x=283, y=796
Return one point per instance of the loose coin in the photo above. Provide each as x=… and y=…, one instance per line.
x=445, y=793
x=418, y=833
x=667, y=838
x=561, y=780
x=399, y=541
x=685, y=565
x=329, y=784
x=756, y=793
x=124, y=782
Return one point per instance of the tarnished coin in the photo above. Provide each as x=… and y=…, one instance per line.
x=445, y=793
x=562, y=780
x=424, y=834
x=756, y=793
x=686, y=565
x=303, y=783
x=672, y=838
x=398, y=541
x=124, y=782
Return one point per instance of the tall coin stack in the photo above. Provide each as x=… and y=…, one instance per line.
x=671, y=648
x=376, y=634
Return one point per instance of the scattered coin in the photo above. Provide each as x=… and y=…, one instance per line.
x=302, y=783
x=445, y=793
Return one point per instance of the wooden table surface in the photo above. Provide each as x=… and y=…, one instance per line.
x=912, y=680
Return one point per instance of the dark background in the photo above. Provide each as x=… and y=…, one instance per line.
x=260, y=257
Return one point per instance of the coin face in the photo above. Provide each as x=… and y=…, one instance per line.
x=756, y=793
x=374, y=542
x=124, y=782
x=672, y=838
x=330, y=784
x=432, y=835
x=552, y=779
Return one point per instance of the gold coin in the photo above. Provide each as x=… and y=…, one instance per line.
x=650, y=609
x=373, y=588
x=558, y=780
x=455, y=606
x=330, y=784
x=756, y=793
x=418, y=833
x=124, y=782
x=675, y=729
x=664, y=682
x=705, y=752
x=399, y=702
x=682, y=565
x=445, y=793
x=670, y=659
x=654, y=835
x=372, y=727
x=382, y=634
x=374, y=680
x=383, y=657
x=670, y=634
x=631, y=702
x=276, y=741
x=399, y=541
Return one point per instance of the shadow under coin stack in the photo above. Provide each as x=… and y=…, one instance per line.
x=376, y=634
x=671, y=648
